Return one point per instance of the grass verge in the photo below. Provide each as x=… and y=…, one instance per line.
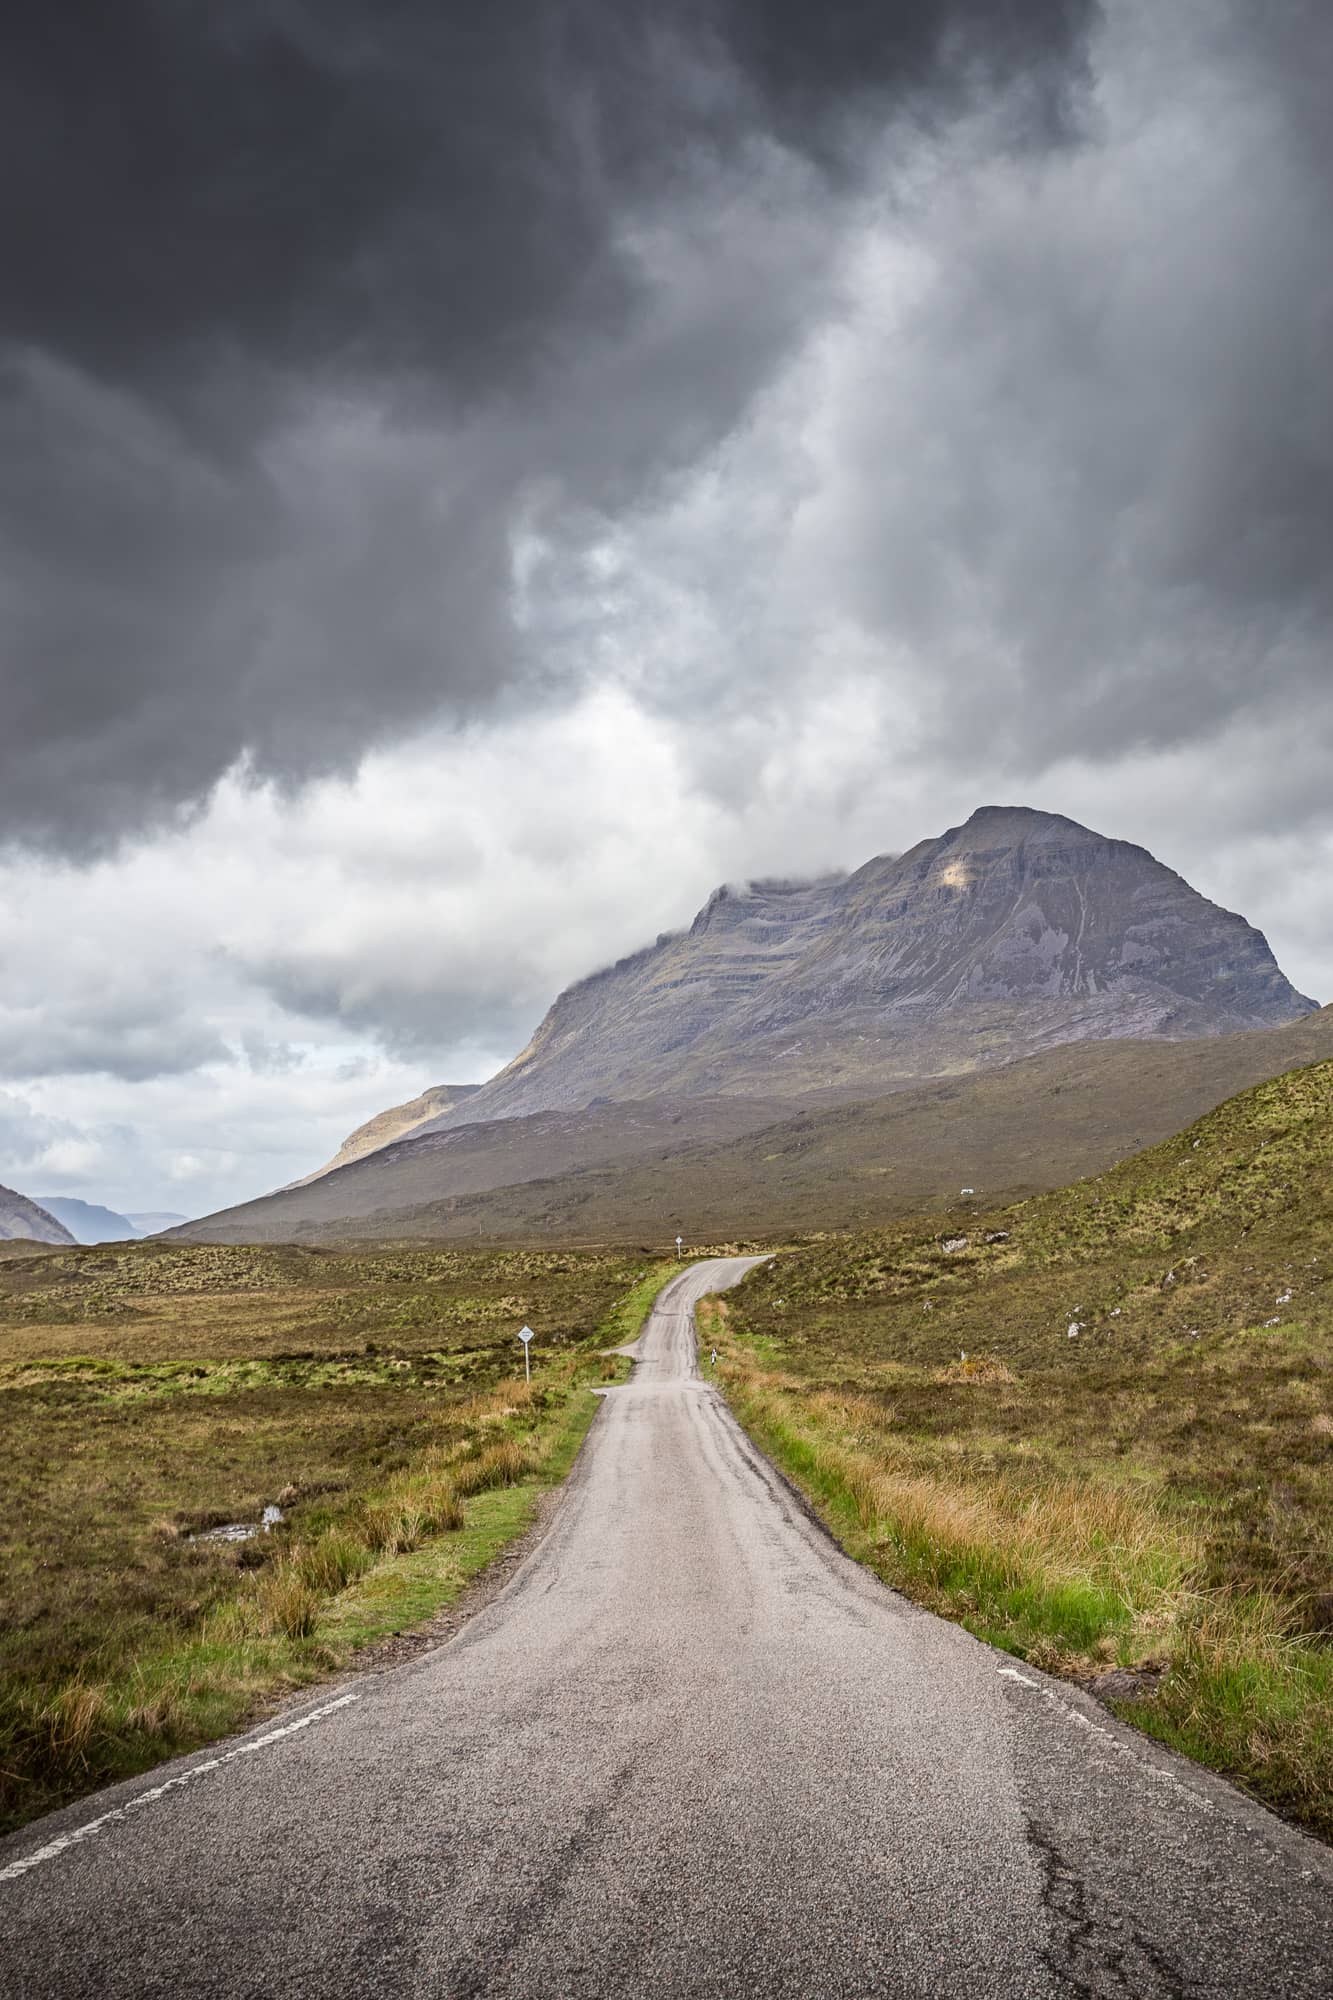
x=1083, y=1576
x=1096, y=1428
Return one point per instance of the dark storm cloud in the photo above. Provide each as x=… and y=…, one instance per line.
x=1090, y=479
x=138, y=1029
x=416, y=185
x=492, y=1011
x=300, y=303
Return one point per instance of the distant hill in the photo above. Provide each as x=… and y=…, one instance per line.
x=87, y=1221
x=22, y=1220
x=424, y=1113
x=1008, y=1132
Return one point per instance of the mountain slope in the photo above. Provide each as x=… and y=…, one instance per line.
x=1014, y=932
x=462, y=1160
x=424, y=1113
x=1010, y=1131
x=22, y=1220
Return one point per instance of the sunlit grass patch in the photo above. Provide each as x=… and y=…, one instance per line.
x=982, y=1370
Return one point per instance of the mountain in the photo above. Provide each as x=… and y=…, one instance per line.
x=22, y=1220
x=148, y=1222
x=426, y=1112
x=87, y=1221
x=1017, y=934
x=643, y=1171
x=1014, y=932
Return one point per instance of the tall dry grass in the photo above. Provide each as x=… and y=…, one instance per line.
x=1054, y=1566
x=288, y=1605
x=410, y=1513
x=1070, y=1573
x=502, y=1464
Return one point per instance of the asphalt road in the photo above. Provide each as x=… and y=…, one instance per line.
x=691, y=1749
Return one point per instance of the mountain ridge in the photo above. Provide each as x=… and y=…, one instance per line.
x=89, y=1221
x=1011, y=1130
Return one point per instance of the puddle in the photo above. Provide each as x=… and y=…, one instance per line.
x=241, y=1531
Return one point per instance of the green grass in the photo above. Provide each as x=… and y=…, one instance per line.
x=372, y=1396
x=1155, y=1492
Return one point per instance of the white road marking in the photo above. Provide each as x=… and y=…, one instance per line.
x=1113, y=1742
x=1134, y=1756
x=57, y=1846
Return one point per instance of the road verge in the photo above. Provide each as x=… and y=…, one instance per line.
x=1098, y=1581
x=346, y=1573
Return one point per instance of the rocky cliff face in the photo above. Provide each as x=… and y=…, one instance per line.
x=1011, y=933
x=22, y=1219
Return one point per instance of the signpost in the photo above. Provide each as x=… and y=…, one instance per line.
x=679, y=1241
x=525, y=1335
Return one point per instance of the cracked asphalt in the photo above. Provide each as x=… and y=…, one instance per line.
x=689, y=1749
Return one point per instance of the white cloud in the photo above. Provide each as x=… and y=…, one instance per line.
x=72, y=1160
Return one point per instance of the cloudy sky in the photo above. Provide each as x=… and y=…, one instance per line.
x=471, y=479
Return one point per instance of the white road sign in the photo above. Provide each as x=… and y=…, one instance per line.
x=526, y=1334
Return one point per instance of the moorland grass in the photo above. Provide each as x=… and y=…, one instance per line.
x=1151, y=1490
x=151, y=1392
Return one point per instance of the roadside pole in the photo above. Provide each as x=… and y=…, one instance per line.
x=525, y=1335
x=679, y=1241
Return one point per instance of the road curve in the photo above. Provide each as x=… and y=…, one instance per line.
x=690, y=1750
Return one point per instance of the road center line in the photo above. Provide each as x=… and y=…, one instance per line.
x=56, y=1847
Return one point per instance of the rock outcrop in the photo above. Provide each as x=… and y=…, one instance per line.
x=422, y=1114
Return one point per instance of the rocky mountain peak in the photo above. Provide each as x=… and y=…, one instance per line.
x=1015, y=931
x=1023, y=906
